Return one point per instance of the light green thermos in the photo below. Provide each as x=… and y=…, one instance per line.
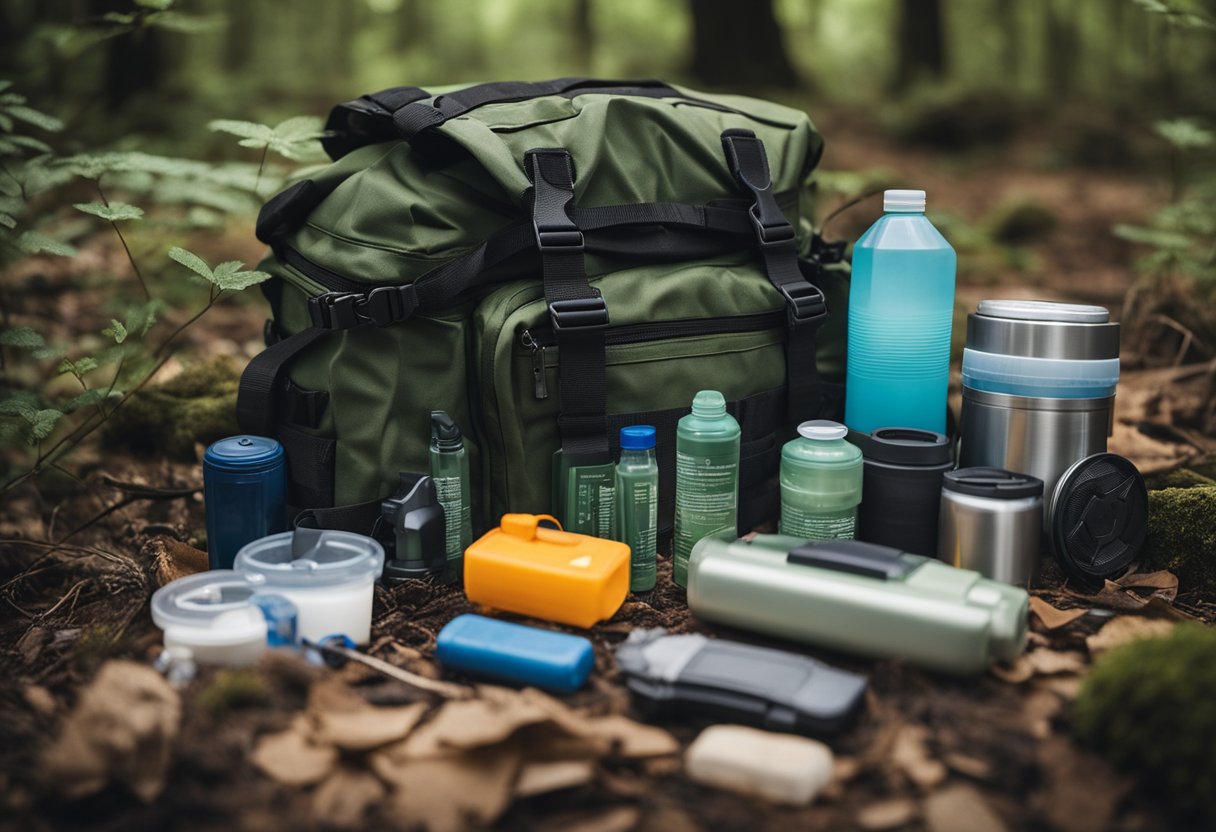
x=820, y=483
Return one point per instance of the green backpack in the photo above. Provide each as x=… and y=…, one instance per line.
x=547, y=262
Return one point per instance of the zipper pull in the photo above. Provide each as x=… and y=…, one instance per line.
x=538, y=364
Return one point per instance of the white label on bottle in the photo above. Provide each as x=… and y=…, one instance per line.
x=452, y=499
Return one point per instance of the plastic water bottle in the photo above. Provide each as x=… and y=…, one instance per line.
x=901, y=307
x=707, y=476
x=245, y=490
x=821, y=476
x=637, y=506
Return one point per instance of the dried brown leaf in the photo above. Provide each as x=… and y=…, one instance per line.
x=288, y=757
x=344, y=798
x=1080, y=790
x=122, y=730
x=887, y=814
x=1123, y=629
x=1052, y=618
x=369, y=728
x=960, y=808
x=910, y=754
x=545, y=777
x=455, y=790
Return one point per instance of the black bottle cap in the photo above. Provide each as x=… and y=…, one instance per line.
x=993, y=483
x=1099, y=517
x=444, y=432
x=903, y=446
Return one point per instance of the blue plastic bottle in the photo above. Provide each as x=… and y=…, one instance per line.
x=901, y=307
x=245, y=489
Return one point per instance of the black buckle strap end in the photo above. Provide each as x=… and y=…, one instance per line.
x=579, y=313
x=804, y=302
x=383, y=306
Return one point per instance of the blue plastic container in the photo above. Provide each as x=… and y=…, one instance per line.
x=516, y=653
x=1048, y=378
x=901, y=309
x=245, y=488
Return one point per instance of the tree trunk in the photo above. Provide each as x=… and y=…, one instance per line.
x=921, y=44
x=739, y=45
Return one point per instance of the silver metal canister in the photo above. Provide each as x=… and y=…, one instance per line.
x=992, y=521
x=1038, y=386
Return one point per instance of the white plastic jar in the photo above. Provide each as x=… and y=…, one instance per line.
x=329, y=575
x=212, y=615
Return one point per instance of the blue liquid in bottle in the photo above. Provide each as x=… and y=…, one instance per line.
x=901, y=307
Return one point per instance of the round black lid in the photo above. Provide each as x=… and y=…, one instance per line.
x=993, y=483
x=903, y=446
x=1099, y=517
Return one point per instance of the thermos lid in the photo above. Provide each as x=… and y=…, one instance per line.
x=822, y=430
x=1042, y=310
x=311, y=558
x=221, y=599
x=903, y=446
x=993, y=483
x=243, y=453
x=1098, y=517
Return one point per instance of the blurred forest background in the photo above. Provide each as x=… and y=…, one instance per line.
x=1066, y=145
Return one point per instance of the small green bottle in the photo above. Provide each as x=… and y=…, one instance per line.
x=450, y=471
x=637, y=504
x=707, y=476
x=820, y=483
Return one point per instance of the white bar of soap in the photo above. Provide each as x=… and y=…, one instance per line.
x=781, y=768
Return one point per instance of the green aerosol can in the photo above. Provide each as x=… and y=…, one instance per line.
x=450, y=471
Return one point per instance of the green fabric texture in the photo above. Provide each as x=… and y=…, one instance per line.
x=392, y=213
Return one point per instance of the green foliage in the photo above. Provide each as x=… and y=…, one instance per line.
x=32, y=242
x=114, y=212
x=233, y=689
x=295, y=139
x=227, y=275
x=1185, y=133
x=1150, y=707
x=1181, y=14
x=116, y=330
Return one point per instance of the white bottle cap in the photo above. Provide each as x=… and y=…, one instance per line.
x=822, y=430
x=903, y=201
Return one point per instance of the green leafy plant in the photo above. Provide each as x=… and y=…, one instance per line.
x=295, y=139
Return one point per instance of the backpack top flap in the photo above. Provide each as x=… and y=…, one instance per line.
x=390, y=211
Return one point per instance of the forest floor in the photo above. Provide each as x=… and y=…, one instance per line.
x=82, y=557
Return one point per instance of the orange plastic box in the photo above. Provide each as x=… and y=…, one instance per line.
x=559, y=576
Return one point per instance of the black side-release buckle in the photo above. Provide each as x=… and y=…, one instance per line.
x=749, y=165
x=579, y=313
x=552, y=175
x=382, y=306
x=803, y=302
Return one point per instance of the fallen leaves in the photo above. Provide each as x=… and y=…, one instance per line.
x=464, y=765
x=122, y=730
x=910, y=755
x=1124, y=629
x=1080, y=790
x=1052, y=618
x=960, y=808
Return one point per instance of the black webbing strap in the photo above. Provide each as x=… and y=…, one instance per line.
x=366, y=120
x=256, y=400
x=805, y=304
x=443, y=285
x=358, y=517
x=577, y=311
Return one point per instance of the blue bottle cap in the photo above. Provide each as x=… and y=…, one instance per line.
x=244, y=454
x=637, y=438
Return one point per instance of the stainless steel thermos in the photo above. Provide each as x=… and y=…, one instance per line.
x=902, y=487
x=1038, y=386
x=992, y=522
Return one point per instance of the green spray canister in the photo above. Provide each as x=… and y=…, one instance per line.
x=450, y=471
x=707, y=476
x=820, y=483
x=637, y=503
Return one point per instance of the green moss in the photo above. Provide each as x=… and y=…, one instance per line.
x=196, y=406
x=1176, y=478
x=1150, y=707
x=1022, y=221
x=1182, y=535
x=233, y=689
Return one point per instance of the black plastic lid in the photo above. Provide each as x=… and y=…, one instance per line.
x=993, y=483
x=903, y=446
x=1099, y=517
x=444, y=432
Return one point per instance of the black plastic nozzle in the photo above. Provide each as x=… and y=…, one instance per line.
x=445, y=435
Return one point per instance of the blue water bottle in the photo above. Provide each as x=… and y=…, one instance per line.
x=245, y=488
x=901, y=308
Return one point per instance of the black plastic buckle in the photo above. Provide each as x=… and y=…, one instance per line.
x=579, y=313
x=380, y=307
x=551, y=223
x=803, y=302
x=770, y=231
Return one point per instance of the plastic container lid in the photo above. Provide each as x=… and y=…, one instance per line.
x=331, y=558
x=247, y=454
x=1057, y=378
x=1098, y=517
x=638, y=438
x=904, y=446
x=822, y=430
x=896, y=201
x=217, y=606
x=993, y=483
x=1043, y=310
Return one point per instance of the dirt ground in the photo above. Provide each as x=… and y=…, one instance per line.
x=926, y=752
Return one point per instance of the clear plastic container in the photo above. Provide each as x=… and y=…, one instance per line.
x=330, y=578
x=213, y=615
x=821, y=475
x=1053, y=378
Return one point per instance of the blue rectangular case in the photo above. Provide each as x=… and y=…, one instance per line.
x=515, y=653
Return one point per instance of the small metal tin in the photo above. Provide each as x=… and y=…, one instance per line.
x=991, y=521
